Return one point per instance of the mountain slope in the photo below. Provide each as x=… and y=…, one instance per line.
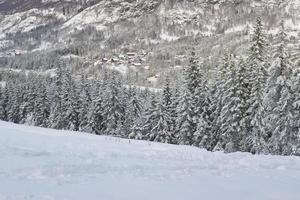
x=46, y=164
x=161, y=32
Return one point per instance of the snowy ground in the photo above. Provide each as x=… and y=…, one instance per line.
x=44, y=164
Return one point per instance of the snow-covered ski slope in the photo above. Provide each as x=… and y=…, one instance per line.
x=44, y=164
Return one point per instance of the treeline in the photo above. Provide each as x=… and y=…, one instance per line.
x=252, y=106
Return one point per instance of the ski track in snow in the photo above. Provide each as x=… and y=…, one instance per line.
x=44, y=164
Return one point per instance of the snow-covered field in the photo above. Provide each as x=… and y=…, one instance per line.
x=45, y=164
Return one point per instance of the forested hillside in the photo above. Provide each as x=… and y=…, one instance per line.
x=252, y=104
x=88, y=35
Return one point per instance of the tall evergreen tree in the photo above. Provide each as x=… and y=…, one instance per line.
x=98, y=119
x=85, y=101
x=211, y=142
x=295, y=123
x=258, y=65
x=188, y=109
x=42, y=107
x=73, y=107
x=160, y=117
x=114, y=109
x=3, y=103
x=167, y=104
x=217, y=103
x=203, y=112
x=15, y=100
x=281, y=141
x=160, y=122
x=192, y=74
x=133, y=111
x=278, y=102
x=232, y=113
x=148, y=118
x=242, y=93
x=57, y=107
x=29, y=95
x=193, y=83
x=185, y=122
x=175, y=101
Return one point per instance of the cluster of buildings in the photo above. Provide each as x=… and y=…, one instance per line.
x=130, y=59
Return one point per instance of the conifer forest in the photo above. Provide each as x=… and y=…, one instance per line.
x=250, y=103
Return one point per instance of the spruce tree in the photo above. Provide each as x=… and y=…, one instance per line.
x=278, y=68
x=28, y=99
x=192, y=74
x=3, y=103
x=202, y=112
x=167, y=93
x=149, y=117
x=133, y=112
x=55, y=118
x=193, y=83
x=232, y=113
x=15, y=100
x=98, y=119
x=173, y=108
x=215, y=109
x=258, y=65
x=42, y=107
x=281, y=141
x=85, y=101
x=278, y=102
x=139, y=128
x=185, y=122
x=114, y=109
x=188, y=111
x=214, y=142
x=160, y=122
x=73, y=107
x=168, y=105
x=243, y=93
x=160, y=115
x=295, y=52
x=295, y=123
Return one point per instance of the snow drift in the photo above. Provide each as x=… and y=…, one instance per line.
x=46, y=164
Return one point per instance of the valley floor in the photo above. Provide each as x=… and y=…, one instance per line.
x=44, y=164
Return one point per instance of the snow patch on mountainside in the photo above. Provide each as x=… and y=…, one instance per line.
x=40, y=164
x=28, y=20
x=92, y=16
